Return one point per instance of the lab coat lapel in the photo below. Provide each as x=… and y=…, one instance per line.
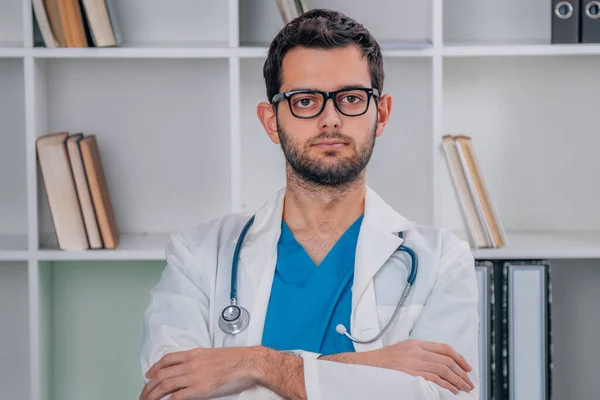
x=377, y=241
x=258, y=258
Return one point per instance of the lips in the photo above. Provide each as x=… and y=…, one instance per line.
x=329, y=142
x=333, y=145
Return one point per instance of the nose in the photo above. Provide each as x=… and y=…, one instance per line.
x=329, y=117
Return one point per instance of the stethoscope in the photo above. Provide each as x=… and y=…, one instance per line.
x=234, y=319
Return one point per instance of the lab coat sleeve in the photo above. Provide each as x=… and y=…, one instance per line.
x=178, y=310
x=449, y=316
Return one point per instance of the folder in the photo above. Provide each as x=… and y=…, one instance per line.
x=485, y=271
x=590, y=21
x=565, y=21
x=527, y=306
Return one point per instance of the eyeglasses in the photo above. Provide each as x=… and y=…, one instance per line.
x=306, y=103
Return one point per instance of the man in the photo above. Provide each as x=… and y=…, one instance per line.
x=321, y=252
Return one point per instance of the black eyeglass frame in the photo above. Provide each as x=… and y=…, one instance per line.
x=371, y=92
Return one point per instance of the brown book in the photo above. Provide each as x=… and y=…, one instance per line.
x=491, y=219
x=59, y=185
x=99, y=190
x=83, y=191
x=72, y=22
x=55, y=21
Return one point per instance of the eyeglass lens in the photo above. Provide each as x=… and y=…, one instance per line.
x=350, y=102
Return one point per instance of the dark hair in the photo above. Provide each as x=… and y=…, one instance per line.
x=321, y=29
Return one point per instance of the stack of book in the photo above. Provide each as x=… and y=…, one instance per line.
x=291, y=9
x=75, y=23
x=479, y=211
x=77, y=191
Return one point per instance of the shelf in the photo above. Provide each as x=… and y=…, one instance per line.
x=479, y=49
x=259, y=50
x=131, y=247
x=13, y=247
x=140, y=50
x=521, y=246
x=7, y=50
x=574, y=245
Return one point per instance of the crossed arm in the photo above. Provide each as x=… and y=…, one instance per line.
x=419, y=368
x=206, y=373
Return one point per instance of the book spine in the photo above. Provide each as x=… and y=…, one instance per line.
x=475, y=197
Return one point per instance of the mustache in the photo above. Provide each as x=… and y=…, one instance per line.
x=331, y=135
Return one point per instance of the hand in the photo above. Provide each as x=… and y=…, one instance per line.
x=202, y=373
x=435, y=362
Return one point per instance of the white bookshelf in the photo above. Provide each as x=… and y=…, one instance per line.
x=174, y=111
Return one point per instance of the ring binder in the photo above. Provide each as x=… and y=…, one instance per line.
x=590, y=21
x=565, y=21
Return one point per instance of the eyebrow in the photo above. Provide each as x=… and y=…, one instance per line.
x=343, y=87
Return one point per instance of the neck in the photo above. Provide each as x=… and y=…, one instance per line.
x=309, y=206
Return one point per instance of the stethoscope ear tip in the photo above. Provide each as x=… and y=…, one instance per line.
x=341, y=329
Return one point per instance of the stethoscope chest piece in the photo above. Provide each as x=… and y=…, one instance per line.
x=234, y=319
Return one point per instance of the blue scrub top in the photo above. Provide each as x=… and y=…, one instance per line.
x=308, y=301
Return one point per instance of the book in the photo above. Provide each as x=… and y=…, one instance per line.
x=479, y=211
x=61, y=192
x=83, y=191
x=469, y=212
x=98, y=19
x=55, y=22
x=488, y=211
x=72, y=22
x=43, y=23
x=99, y=191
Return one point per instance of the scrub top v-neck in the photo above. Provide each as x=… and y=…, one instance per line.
x=308, y=301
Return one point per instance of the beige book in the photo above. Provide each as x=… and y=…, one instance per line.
x=83, y=191
x=44, y=23
x=473, y=190
x=461, y=186
x=483, y=193
x=99, y=23
x=99, y=189
x=59, y=186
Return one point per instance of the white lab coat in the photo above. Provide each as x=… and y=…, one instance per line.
x=185, y=305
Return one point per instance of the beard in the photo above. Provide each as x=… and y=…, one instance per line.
x=333, y=169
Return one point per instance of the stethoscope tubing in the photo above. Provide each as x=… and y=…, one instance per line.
x=232, y=327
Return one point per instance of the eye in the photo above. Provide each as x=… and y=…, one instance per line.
x=351, y=98
x=304, y=102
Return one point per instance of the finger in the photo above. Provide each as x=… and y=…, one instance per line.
x=438, y=381
x=450, y=363
x=184, y=394
x=444, y=372
x=446, y=350
x=167, y=361
x=161, y=375
x=166, y=387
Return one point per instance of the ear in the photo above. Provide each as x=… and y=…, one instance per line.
x=384, y=109
x=268, y=118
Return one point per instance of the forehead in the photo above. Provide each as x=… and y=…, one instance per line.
x=324, y=69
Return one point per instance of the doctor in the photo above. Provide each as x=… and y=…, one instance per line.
x=320, y=258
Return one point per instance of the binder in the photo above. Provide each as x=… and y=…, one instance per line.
x=565, y=21
x=590, y=21
x=528, y=334
x=485, y=283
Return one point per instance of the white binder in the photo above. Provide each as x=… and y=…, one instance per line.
x=527, y=301
x=484, y=271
